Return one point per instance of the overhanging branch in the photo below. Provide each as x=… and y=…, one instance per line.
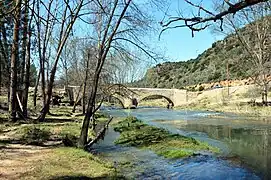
x=193, y=22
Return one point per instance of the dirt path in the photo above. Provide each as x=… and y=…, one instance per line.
x=17, y=160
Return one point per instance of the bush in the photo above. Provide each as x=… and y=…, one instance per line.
x=99, y=115
x=253, y=93
x=70, y=140
x=201, y=88
x=34, y=135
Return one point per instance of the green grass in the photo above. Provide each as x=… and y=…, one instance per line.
x=42, y=132
x=60, y=162
x=71, y=163
x=3, y=116
x=135, y=133
x=61, y=125
x=34, y=135
x=4, y=98
x=174, y=153
x=60, y=111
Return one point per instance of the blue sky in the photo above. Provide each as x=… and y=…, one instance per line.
x=180, y=46
x=175, y=44
x=178, y=43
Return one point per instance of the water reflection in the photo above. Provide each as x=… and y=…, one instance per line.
x=252, y=145
x=248, y=140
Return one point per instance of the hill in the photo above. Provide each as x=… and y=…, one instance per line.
x=210, y=66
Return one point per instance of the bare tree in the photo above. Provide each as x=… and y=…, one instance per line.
x=119, y=23
x=256, y=42
x=202, y=17
x=27, y=38
x=14, y=59
x=68, y=17
x=252, y=27
x=86, y=62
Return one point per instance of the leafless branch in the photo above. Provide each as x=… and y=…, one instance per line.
x=193, y=22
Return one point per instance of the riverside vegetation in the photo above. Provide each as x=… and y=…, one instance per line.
x=46, y=147
x=49, y=146
x=134, y=132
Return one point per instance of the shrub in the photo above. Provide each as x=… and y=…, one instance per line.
x=253, y=93
x=99, y=115
x=70, y=140
x=201, y=88
x=34, y=135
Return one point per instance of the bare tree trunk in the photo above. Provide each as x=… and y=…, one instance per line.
x=13, y=65
x=102, y=53
x=24, y=44
x=84, y=131
x=76, y=99
x=27, y=58
x=265, y=91
x=85, y=84
x=100, y=134
x=64, y=34
x=41, y=52
x=5, y=56
x=36, y=90
x=1, y=74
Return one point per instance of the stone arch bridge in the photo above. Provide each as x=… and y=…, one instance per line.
x=175, y=97
x=132, y=97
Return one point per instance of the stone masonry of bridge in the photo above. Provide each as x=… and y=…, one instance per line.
x=176, y=97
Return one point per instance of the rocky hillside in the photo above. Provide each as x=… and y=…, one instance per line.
x=210, y=66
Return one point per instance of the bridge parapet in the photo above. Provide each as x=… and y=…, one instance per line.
x=176, y=96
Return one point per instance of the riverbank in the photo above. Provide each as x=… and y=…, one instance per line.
x=237, y=100
x=134, y=132
x=142, y=162
x=40, y=150
x=242, y=109
x=33, y=162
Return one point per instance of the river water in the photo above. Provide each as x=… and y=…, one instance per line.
x=244, y=143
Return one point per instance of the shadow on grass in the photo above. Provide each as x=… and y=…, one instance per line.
x=57, y=120
x=4, y=107
x=49, y=143
x=81, y=114
x=60, y=114
x=86, y=178
x=4, y=120
x=9, y=141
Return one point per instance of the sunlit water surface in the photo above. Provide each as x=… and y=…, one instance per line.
x=245, y=146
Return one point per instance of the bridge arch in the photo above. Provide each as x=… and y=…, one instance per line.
x=120, y=101
x=156, y=96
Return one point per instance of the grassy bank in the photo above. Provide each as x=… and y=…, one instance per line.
x=242, y=109
x=70, y=163
x=236, y=102
x=136, y=133
x=45, y=146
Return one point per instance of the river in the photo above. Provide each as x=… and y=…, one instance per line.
x=244, y=143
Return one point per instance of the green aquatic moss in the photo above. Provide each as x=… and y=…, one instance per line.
x=174, y=153
x=134, y=132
